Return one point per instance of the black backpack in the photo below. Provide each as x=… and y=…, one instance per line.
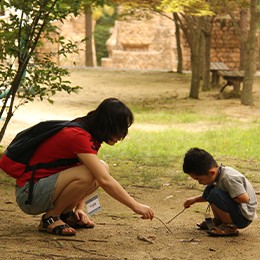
x=15, y=160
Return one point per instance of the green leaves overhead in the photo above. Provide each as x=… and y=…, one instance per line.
x=190, y=7
x=25, y=72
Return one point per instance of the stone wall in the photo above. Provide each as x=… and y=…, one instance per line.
x=72, y=29
x=149, y=44
x=225, y=44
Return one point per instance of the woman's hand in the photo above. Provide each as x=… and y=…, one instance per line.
x=144, y=210
x=82, y=217
x=79, y=214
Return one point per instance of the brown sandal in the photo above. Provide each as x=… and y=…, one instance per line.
x=58, y=230
x=203, y=225
x=224, y=230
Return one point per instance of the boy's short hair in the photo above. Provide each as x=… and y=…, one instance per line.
x=198, y=161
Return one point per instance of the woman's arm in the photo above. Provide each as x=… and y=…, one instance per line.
x=111, y=186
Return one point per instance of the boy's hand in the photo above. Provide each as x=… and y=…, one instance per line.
x=193, y=200
x=189, y=202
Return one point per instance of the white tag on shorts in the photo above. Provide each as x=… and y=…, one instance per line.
x=93, y=205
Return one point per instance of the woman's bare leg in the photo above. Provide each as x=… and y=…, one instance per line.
x=72, y=185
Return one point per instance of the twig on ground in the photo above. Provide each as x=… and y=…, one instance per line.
x=114, y=216
x=51, y=256
x=145, y=239
x=97, y=240
x=59, y=243
x=175, y=216
x=93, y=252
x=163, y=223
x=190, y=240
x=69, y=239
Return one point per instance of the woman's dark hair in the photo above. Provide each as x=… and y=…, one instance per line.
x=110, y=120
x=197, y=161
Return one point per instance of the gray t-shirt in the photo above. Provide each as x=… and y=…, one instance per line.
x=235, y=183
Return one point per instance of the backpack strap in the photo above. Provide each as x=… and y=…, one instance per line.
x=58, y=163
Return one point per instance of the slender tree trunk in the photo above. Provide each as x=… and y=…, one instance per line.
x=247, y=95
x=243, y=28
x=208, y=26
x=88, y=24
x=202, y=55
x=206, y=72
x=195, y=67
x=11, y=95
x=178, y=42
x=195, y=34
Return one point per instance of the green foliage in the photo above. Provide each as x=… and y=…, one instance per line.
x=137, y=9
x=190, y=7
x=105, y=15
x=106, y=18
x=101, y=35
x=23, y=70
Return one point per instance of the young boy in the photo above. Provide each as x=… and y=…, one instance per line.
x=230, y=194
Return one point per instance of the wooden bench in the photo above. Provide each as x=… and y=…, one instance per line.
x=215, y=67
x=233, y=78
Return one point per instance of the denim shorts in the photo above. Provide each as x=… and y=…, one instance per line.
x=43, y=194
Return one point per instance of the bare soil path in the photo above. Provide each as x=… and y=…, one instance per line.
x=118, y=231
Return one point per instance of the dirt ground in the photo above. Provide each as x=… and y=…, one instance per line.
x=118, y=232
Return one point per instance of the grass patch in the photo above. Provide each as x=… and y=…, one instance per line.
x=151, y=158
x=169, y=116
x=166, y=147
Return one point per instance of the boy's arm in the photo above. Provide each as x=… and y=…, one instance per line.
x=193, y=200
x=243, y=198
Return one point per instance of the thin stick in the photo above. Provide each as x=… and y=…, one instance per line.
x=175, y=216
x=163, y=224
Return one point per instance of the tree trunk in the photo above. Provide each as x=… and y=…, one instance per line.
x=247, y=95
x=202, y=55
x=243, y=28
x=88, y=24
x=11, y=96
x=208, y=26
x=178, y=42
x=195, y=67
x=195, y=36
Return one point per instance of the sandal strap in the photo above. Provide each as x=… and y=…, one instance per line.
x=59, y=229
x=227, y=228
x=224, y=226
x=48, y=221
x=64, y=217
